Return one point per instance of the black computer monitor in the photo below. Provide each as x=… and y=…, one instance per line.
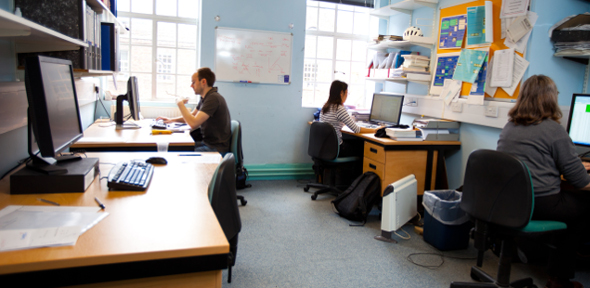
x=386, y=108
x=132, y=97
x=578, y=125
x=53, y=114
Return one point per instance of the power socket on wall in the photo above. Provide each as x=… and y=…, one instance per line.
x=491, y=111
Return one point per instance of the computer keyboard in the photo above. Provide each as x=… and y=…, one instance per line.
x=159, y=125
x=134, y=175
x=367, y=125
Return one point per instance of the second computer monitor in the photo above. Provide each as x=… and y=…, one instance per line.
x=386, y=108
x=578, y=126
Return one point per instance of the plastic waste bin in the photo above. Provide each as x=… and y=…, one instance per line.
x=446, y=225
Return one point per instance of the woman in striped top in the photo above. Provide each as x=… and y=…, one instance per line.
x=334, y=113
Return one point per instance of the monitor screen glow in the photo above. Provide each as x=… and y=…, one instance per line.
x=578, y=126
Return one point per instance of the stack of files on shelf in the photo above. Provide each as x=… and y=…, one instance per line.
x=400, y=134
x=437, y=129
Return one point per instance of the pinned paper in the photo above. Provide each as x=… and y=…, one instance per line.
x=519, y=27
x=503, y=68
x=451, y=90
x=520, y=66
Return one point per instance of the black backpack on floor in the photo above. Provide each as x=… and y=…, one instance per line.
x=356, y=202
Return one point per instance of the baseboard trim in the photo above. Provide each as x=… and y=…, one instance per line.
x=280, y=171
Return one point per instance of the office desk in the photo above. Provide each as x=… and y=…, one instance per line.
x=168, y=233
x=393, y=160
x=99, y=138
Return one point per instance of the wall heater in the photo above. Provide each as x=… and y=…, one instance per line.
x=399, y=206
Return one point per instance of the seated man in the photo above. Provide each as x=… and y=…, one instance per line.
x=211, y=115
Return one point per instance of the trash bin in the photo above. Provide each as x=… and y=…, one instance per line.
x=446, y=225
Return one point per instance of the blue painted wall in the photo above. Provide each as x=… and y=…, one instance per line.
x=274, y=124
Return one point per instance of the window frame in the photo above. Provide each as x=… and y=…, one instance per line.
x=154, y=45
x=366, y=98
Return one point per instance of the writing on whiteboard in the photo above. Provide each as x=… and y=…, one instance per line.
x=255, y=56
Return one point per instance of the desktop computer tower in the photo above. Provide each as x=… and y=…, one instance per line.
x=81, y=173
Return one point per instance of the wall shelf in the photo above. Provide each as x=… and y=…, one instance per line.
x=91, y=73
x=30, y=37
x=406, y=7
x=426, y=42
x=579, y=58
x=399, y=80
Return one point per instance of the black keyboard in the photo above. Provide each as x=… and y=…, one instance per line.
x=134, y=175
x=159, y=125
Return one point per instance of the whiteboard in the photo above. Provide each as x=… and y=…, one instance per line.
x=253, y=56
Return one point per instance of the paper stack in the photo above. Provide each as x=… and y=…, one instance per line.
x=400, y=134
x=413, y=65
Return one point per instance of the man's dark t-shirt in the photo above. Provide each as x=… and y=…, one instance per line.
x=216, y=131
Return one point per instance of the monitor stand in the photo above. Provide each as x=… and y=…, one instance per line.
x=127, y=125
x=45, y=165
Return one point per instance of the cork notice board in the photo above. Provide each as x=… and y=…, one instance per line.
x=498, y=43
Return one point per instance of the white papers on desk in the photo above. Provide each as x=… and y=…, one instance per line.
x=520, y=66
x=24, y=227
x=451, y=90
x=503, y=67
x=514, y=8
x=521, y=44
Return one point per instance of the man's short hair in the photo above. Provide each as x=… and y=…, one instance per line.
x=207, y=74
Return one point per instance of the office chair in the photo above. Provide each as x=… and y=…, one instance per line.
x=323, y=148
x=222, y=195
x=498, y=195
x=236, y=149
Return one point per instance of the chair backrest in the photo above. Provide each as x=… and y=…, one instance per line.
x=222, y=195
x=236, y=141
x=323, y=141
x=497, y=189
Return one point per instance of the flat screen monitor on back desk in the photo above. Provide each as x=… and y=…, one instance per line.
x=386, y=108
x=578, y=126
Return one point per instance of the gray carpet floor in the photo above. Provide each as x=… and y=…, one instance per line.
x=288, y=240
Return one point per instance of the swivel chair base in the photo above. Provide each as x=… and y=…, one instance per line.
x=242, y=200
x=488, y=281
x=323, y=189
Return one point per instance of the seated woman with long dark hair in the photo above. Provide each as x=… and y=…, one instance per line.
x=335, y=113
x=534, y=135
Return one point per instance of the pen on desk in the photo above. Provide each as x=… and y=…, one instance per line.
x=189, y=154
x=99, y=204
x=47, y=201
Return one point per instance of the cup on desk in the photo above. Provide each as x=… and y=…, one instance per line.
x=162, y=146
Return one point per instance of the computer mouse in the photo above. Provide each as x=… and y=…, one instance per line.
x=156, y=160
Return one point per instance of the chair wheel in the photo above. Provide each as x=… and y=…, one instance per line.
x=243, y=202
x=475, y=277
x=305, y=189
x=313, y=197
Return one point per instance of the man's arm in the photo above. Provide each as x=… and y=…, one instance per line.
x=194, y=118
x=176, y=119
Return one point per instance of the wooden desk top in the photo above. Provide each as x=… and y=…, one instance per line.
x=103, y=135
x=390, y=142
x=172, y=218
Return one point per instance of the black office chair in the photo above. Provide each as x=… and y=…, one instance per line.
x=323, y=148
x=236, y=149
x=498, y=195
x=222, y=195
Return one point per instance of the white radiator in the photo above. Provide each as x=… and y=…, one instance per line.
x=150, y=112
x=399, y=206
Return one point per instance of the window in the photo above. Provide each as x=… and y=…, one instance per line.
x=336, y=49
x=160, y=48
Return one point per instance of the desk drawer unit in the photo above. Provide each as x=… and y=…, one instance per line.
x=392, y=165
